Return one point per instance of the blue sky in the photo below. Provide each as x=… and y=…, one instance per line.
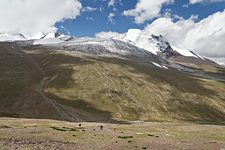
x=90, y=23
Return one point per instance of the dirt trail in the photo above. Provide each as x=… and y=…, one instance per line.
x=65, y=112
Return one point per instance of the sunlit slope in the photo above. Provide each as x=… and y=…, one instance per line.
x=128, y=88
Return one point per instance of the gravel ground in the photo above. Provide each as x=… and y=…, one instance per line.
x=30, y=134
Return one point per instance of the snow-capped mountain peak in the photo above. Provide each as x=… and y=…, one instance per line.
x=157, y=45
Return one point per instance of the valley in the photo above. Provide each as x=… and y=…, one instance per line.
x=58, y=96
x=112, y=75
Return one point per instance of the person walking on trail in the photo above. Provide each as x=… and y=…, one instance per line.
x=101, y=127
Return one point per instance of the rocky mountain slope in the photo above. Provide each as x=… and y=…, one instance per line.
x=108, y=80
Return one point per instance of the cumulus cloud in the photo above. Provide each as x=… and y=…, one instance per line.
x=146, y=10
x=205, y=37
x=204, y=1
x=110, y=18
x=32, y=16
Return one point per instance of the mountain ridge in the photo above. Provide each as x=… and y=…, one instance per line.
x=157, y=45
x=106, y=80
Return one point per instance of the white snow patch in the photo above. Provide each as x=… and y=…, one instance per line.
x=146, y=41
x=35, y=36
x=65, y=38
x=165, y=67
x=135, y=37
x=199, y=56
x=157, y=65
x=50, y=35
x=160, y=66
x=183, y=52
x=47, y=41
x=105, y=43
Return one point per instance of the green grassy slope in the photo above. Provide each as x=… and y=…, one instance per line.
x=126, y=89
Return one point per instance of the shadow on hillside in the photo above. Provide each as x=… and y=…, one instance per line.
x=86, y=111
x=54, y=65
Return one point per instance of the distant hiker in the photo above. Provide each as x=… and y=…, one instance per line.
x=101, y=127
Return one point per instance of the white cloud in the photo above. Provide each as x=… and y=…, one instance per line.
x=89, y=9
x=90, y=19
x=204, y=1
x=219, y=60
x=110, y=18
x=106, y=35
x=195, y=1
x=32, y=16
x=146, y=10
x=205, y=37
x=112, y=3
